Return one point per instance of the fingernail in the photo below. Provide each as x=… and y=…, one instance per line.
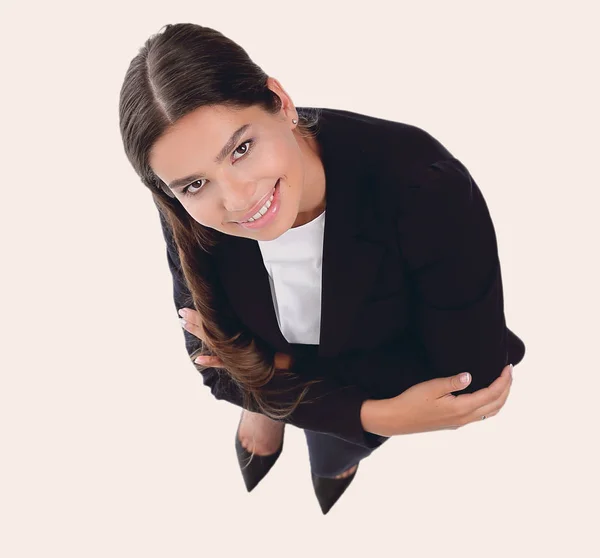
x=511, y=370
x=181, y=312
x=464, y=378
x=182, y=322
x=199, y=360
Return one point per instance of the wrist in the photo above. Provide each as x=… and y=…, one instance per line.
x=374, y=417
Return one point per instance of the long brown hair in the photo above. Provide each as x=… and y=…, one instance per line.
x=185, y=67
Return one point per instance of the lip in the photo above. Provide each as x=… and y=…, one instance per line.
x=270, y=215
x=258, y=205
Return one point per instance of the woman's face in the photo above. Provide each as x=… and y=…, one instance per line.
x=224, y=175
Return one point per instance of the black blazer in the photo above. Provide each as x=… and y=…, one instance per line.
x=411, y=288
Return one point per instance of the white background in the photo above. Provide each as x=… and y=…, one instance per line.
x=111, y=445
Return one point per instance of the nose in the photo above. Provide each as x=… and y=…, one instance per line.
x=238, y=195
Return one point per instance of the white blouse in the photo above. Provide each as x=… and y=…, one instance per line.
x=294, y=264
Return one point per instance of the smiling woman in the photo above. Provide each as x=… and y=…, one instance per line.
x=377, y=305
x=212, y=156
x=262, y=158
x=224, y=161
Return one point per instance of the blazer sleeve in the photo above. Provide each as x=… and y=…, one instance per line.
x=449, y=245
x=330, y=408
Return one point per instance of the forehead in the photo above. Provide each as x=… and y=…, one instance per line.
x=199, y=134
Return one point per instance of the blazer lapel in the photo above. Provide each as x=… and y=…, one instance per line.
x=352, y=252
x=246, y=283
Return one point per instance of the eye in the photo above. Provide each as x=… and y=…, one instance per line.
x=186, y=191
x=247, y=149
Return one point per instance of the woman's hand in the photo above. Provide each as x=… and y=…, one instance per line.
x=190, y=321
x=431, y=406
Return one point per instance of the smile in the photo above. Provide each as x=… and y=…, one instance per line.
x=262, y=210
x=267, y=213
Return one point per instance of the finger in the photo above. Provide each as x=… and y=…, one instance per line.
x=446, y=386
x=492, y=396
x=207, y=360
x=191, y=316
x=491, y=411
x=468, y=402
x=487, y=411
x=194, y=329
x=494, y=407
x=191, y=321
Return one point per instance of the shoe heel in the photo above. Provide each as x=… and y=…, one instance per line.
x=254, y=468
x=329, y=491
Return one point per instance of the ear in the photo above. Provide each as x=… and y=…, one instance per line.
x=287, y=106
x=160, y=184
x=167, y=190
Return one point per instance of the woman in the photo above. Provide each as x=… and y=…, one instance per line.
x=339, y=271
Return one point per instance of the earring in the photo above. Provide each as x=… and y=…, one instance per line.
x=294, y=121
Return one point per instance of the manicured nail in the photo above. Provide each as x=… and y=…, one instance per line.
x=182, y=322
x=181, y=312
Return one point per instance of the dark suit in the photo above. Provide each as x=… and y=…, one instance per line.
x=411, y=289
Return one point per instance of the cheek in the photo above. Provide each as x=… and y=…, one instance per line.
x=204, y=212
x=276, y=159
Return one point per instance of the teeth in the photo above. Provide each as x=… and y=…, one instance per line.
x=262, y=210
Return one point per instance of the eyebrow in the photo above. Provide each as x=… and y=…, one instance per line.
x=179, y=182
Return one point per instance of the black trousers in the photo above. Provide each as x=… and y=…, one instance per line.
x=330, y=456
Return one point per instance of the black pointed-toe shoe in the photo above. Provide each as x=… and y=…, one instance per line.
x=254, y=468
x=328, y=490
